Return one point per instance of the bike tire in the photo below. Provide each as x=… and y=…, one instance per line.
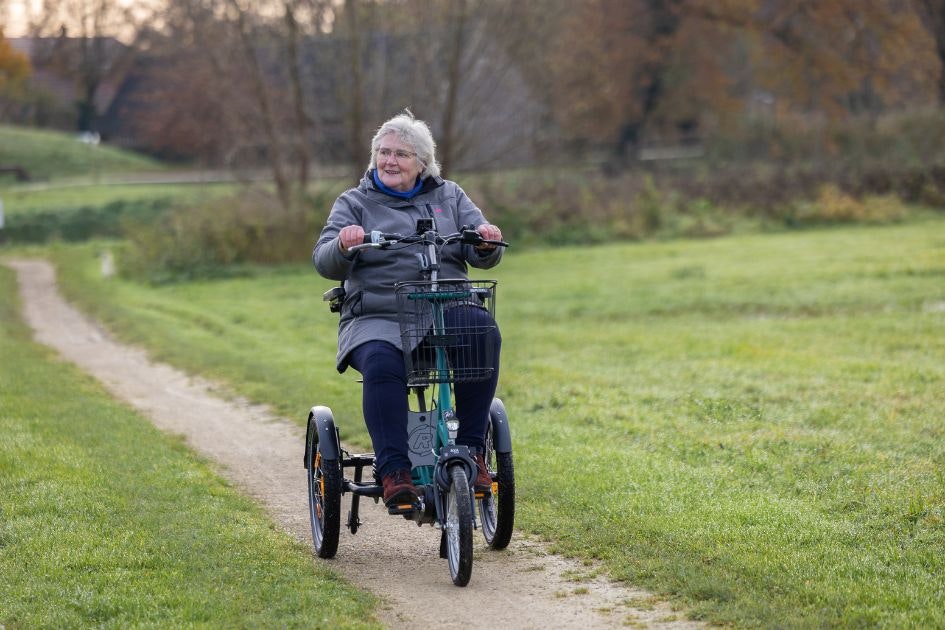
x=459, y=527
x=497, y=511
x=324, y=502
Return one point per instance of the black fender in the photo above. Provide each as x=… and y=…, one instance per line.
x=321, y=432
x=501, y=436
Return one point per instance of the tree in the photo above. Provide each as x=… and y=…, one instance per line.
x=85, y=48
x=14, y=73
x=357, y=31
x=468, y=83
x=237, y=73
x=623, y=71
x=445, y=62
x=836, y=57
x=302, y=120
x=932, y=15
x=610, y=67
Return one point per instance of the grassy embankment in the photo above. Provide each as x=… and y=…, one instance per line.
x=749, y=425
x=46, y=154
x=28, y=200
x=66, y=198
x=107, y=522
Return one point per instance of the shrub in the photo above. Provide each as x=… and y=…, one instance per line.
x=834, y=206
x=222, y=236
x=82, y=223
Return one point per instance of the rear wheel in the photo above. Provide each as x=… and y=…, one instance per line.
x=459, y=527
x=324, y=499
x=497, y=511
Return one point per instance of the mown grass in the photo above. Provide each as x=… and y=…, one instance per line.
x=46, y=154
x=29, y=200
x=106, y=522
x=80, y=213
x=749, y=425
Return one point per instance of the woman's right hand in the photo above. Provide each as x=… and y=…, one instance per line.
x=349, y=237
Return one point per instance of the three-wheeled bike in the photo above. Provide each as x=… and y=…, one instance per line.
x=442, y=470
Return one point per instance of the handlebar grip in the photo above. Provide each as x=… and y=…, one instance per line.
x=370, y=239
x=375, y=239
x=472, y=237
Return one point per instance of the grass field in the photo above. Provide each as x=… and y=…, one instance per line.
x=46, y=154
x=24, y=200
x=749, y=425
x=106, y=522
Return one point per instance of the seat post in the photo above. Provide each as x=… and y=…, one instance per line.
x=419, y=391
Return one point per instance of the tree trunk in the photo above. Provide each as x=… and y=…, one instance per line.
x=302, y=121
x=448, y=134
x=261, y=95
x=938, y=28
x=932, y=15
x=664, y=23
x=356, y=107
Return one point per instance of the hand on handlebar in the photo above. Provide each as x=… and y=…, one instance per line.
x=349, y=237
x=488, y=232
x=484, y=238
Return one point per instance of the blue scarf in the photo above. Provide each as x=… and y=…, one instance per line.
x=393, y=193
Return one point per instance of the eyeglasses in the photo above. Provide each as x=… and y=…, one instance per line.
x=399, y=154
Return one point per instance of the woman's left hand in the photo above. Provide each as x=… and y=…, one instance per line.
x=490, y=233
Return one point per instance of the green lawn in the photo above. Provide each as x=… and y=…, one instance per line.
x=47, y=154
x=750, y=425
x=107, y=522
x=27, y=200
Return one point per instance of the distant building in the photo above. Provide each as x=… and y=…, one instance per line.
x=61, y=87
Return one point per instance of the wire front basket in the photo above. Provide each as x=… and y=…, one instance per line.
x=455, y=315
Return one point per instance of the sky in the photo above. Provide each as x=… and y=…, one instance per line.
x=15, y=15
x=13, y=18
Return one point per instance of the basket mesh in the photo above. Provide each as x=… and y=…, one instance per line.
x=462, y=330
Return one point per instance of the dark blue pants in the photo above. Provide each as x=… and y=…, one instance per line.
x=385, y=402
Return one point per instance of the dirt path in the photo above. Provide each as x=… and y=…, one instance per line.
x=523, y=587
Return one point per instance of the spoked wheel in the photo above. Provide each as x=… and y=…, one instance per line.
x=497, y=511
x=459, y=527
x=324, y=501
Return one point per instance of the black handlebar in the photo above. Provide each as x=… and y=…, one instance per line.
x=467, y=235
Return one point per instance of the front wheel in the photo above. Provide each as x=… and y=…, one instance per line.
x=324, y=498
x=459, y=527
x=497, y=510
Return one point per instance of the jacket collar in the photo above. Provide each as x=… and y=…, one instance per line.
x=367, y=186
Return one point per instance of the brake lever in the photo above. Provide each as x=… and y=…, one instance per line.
x=469, y=236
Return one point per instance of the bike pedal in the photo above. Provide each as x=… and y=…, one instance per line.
x=403, y=508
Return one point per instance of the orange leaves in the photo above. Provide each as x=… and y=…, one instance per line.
x=14, y=66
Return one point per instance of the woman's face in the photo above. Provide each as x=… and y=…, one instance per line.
x=397, y=164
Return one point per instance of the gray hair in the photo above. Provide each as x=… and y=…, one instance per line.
x=414, y=133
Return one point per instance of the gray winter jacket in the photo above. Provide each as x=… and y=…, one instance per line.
x=370, y=307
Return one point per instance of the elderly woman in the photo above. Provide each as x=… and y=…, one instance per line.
x=402, y=184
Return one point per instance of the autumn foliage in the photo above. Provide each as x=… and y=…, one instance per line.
x=14, y=72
